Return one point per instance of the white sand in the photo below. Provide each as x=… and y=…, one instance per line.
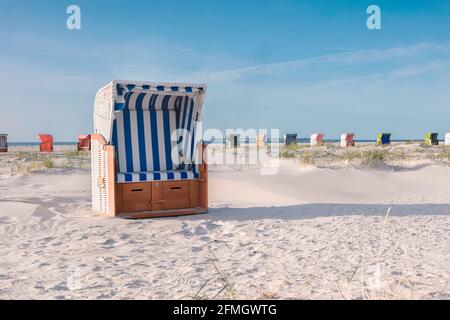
x=299, y=234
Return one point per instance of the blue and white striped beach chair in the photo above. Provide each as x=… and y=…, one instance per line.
x=147, y=150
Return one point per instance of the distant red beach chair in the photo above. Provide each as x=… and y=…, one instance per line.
x=84, y=142
x=317, y=139
x=347, y=140
x=46, y=142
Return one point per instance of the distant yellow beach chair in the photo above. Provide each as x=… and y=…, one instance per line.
x=383, y=138
x=447, y=139
x=431, y=138
x=147, y=156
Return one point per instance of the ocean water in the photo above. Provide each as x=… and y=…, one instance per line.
x=33, y=144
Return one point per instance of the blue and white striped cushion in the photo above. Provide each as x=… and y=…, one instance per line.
x=156, y=176
x=145, y=143
x=146, y=138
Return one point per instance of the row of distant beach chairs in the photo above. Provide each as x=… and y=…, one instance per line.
x=347, y=139
x=46, y=142
x=233, y=140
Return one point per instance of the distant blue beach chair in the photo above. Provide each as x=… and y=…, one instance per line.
x=383, y=138
x=290, y=139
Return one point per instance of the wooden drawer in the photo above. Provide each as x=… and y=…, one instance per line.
x=157, y=195
x=175, y=194
x=194, y=193
x=136, y=197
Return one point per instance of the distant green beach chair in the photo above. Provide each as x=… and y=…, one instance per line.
x=383, y=138
x=431, y=138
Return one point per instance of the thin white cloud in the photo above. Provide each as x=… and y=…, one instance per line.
x=344, y=58
x=403, y=72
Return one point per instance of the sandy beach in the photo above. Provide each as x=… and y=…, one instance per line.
x=328, y=225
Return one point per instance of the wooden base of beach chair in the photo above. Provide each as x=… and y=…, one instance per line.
x=148, y=199
x=160, y=198
x=161, y=213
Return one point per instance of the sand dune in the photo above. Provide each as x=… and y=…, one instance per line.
x=300, y=234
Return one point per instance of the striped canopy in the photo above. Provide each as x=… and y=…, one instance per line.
x=154, y=135
x=133, y=90
x=142, y=101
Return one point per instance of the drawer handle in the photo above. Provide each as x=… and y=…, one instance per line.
x=175, y=188
x=157, y=201
x=136, y=190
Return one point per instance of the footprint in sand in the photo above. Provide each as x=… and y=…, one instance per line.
x=109, y=243
x=43, y=213
x=186, y=230
x=201, y=230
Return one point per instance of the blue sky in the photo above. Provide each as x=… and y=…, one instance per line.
x=301, y=66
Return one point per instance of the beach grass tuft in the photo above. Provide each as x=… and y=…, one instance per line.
x=48, y=163
x=307, y=158
x=370, y=158
x=287, y=154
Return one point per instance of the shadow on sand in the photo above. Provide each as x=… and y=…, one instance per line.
x=310, y=211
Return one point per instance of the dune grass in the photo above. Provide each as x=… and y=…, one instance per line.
x=48, y=163
x=225, y=289
x=445, y=155
x=386, y=287
x=25, y=162
x=365, y=156
x=288, y=152
x=74, y=154
x=370, y=158
x=307, y=158
x=350, y=155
